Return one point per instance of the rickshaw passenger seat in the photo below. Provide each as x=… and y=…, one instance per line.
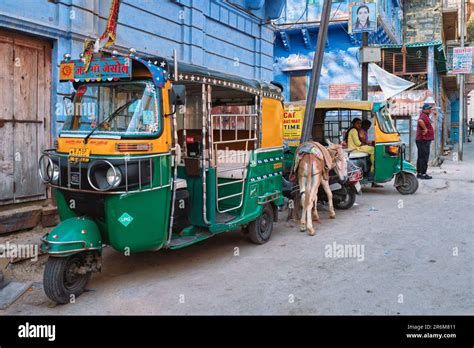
x=180, y=183
x=353, y=155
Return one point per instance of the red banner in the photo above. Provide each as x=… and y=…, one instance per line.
x=108, y=37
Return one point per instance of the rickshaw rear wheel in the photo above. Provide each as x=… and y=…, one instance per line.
x=61, y=280
x=260, y=230
x=409, y=183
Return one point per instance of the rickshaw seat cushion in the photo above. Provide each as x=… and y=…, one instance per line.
x=180, y=183
x=358, y=155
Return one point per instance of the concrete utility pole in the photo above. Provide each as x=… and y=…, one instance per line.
x=461, y=87
x=306, y=133
x=365, y=74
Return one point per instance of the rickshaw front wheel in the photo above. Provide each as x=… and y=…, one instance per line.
x=409, y=183
x=260, y=230
x=63, y=279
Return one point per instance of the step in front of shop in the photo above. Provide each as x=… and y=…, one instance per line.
x=25, y=218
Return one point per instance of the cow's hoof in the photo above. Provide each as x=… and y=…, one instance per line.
x=302, y=228
x=311, y=233
x=332, y=216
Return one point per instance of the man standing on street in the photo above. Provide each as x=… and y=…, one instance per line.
x=424, y=136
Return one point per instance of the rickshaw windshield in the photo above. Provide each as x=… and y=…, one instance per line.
x=131, y=108
x=385, y=121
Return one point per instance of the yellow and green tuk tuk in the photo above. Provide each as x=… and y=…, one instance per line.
x=154, y=154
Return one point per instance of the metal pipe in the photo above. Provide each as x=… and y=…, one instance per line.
x=140, y=174
x=80, y=174
x=365, y=75
x=69, y=174
x=151, y=171
x=316, y=72
x=60, y=171
x=461, y=88
x=173, y=159
x=204, y=184
x=209, y=124
x=126, y=174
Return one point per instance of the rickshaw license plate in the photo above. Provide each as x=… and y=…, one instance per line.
x=79, y=154
x=358, y=186
x=75, y=178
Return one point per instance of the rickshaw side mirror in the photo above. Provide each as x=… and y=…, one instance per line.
x=70, y=96
x=178, y=95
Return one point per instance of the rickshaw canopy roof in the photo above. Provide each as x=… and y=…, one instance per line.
x=162, y=69
x=194, y=73
x=362, y=105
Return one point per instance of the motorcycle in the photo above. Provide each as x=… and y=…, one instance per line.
x=343, y=192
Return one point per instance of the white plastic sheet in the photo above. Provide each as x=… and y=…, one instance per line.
x=391, y=85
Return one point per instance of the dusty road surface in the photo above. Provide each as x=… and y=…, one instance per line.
x=415, y=256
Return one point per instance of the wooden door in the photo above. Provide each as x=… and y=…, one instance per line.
x=25, y=79
x=298, y=87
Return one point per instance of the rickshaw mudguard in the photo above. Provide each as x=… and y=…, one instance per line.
x=407, y=167
x=72, y=236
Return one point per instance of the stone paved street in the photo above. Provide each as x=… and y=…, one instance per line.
x=409, y=263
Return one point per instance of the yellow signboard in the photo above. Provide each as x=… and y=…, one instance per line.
x=293, y=122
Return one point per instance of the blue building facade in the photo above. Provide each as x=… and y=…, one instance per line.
x=227, y=36
x=296, y=39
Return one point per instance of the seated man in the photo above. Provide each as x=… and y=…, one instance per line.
x=354, y=144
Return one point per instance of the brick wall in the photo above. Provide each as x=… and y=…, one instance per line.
x=423, y=20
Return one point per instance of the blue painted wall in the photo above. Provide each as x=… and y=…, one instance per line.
x=455, y=119
x=295, y=43
x=340, y=62
x=209, y=33
x=301, y=11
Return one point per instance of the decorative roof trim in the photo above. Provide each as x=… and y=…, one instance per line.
x=411, y=44
x=215, y=81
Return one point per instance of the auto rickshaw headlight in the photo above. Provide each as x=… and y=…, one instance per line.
x=53, y=172
x=114, y=177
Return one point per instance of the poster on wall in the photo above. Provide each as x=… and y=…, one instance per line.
x=293, y=122
x=462, y=60
x=362, y=17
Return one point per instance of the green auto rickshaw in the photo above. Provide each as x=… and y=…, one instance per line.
x=333, y=117
x=156, y=154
